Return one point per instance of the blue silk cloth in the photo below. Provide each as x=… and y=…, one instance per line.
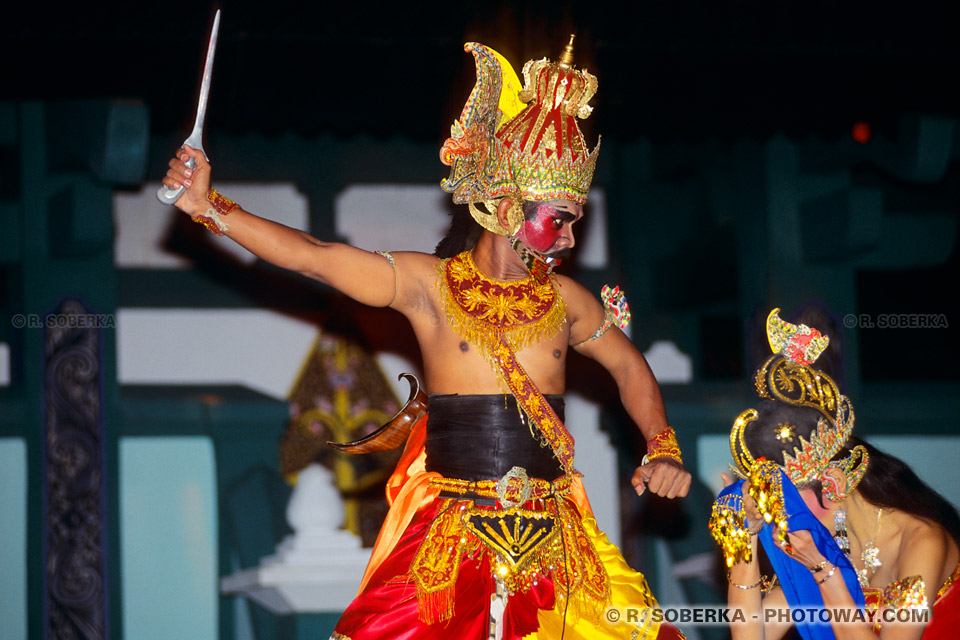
x=797, y=581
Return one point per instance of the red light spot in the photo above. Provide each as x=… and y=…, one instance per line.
x=861, y=132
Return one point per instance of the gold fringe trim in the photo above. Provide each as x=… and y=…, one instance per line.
x=507, y=307
x=728, y=527
x=436, y=565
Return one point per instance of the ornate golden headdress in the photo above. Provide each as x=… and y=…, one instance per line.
x=520, y=143
x=787, y=377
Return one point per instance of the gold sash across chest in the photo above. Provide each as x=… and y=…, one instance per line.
x=500, y=318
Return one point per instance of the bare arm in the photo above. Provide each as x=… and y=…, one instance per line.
x=638, y=388
x=364, y=276
x=744, y=595
x=764, y=617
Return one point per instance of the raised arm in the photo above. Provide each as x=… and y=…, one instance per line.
x=638, y=388
x=364, y=276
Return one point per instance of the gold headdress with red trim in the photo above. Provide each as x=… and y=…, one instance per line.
x=788, y=377
x=526, y=143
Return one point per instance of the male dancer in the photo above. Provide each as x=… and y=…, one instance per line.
x=490, y=533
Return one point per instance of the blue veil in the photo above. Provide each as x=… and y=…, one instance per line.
x=798, y=583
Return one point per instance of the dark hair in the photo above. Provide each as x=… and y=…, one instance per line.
x=464, y=231
x=888, y=481
x=530, y=209
x=462, y=235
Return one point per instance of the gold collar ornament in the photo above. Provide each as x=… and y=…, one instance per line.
x=788, y=377
x=520, y=143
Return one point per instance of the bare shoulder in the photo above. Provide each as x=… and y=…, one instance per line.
x=576, y=297
x=416, y=275
x=919, y=533
x=584, y=311
x=416, y=262
x=925, y=550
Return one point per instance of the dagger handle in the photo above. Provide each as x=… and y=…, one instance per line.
x=166, y=195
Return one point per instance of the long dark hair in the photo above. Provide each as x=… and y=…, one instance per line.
x=462, y=235
x=888, y=481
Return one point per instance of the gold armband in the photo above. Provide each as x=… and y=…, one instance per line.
x=616, y=311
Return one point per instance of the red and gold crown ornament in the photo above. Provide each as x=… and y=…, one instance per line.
x=523, y=143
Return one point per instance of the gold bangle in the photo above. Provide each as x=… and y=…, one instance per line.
x=745, y=587
x=829, y=575
x=817, y=568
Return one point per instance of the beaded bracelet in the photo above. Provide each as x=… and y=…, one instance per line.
x=220, y=205
x=817, y=568
x=829, y=575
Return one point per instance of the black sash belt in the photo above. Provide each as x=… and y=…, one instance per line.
x=482, y=437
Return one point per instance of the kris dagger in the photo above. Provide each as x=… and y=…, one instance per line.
x=165, y=194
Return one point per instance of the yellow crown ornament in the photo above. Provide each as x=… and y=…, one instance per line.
x=788, y=377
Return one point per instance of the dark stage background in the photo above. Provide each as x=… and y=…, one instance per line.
x=755, y=154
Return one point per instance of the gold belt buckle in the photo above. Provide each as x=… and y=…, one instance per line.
x=511, y=495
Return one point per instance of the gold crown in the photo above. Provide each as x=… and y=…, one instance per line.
x=520, y=143
x=787, y=377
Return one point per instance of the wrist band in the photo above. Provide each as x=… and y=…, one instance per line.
x=664, y=445
x=220, y=205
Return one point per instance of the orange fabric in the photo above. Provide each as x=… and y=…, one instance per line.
x=408, y=490
x=579, y=496
x=412, y=462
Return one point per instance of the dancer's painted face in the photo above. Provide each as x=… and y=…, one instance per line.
x=550, y=231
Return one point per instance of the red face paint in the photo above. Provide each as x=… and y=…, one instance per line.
x=542, y=233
